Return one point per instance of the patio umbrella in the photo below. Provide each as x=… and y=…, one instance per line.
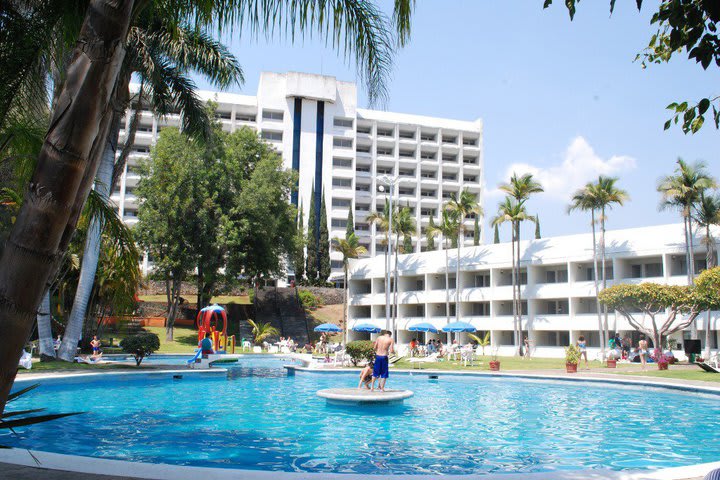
x=366, y=327
x=423, y=327
x=458, y=327
x=328, y=327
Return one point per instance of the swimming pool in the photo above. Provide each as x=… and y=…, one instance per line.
x=257, y=417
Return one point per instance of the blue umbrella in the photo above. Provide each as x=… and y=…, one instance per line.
x=366, y=327
x=423, y=327
x=458, y=327
x=328, y=327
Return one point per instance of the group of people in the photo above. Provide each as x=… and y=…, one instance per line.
x=620, y=349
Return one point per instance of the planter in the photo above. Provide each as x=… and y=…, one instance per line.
x=494, y=366
x=662, y=365
x=611, y=363
x=571, y=367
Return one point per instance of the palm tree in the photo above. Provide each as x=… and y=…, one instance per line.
x=448, y=229
x=707, y=213
x=585, y=199
x=350, y=248
x=161, y=55
x=403, y=224
x=463, y=205
x=82, y=115
x=513, y=212
x=682, y=191
x=520, y=188
x=606, y=194
x=261, y=331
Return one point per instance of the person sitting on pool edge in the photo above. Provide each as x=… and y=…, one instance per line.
x=206, y=346
x=366, y=376
x=384, y=346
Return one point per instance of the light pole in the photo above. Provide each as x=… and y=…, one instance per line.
x=390, y=182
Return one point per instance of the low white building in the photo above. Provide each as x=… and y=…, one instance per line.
x=558, y=294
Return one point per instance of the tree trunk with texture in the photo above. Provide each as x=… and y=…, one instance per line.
x=514, y=292
x=45, y=336
x=62, y=178
x=91, y=254
x=597, y=286
x=457, y=277
x=606, y=331
x=709, y=264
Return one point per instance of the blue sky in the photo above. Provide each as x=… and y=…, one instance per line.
x=564, y=100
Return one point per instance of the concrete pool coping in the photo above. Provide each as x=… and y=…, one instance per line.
x=37, y=461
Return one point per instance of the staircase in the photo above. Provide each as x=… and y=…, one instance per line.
x=282, y=309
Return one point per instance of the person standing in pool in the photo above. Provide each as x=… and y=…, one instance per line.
x=642, y=351
x=384, y=346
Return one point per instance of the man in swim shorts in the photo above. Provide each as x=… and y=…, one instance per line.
x=384, y=346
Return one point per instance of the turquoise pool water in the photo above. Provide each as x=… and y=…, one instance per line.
x=259, y=418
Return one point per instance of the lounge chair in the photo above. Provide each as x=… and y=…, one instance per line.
x=711, y=365
x=416, y=361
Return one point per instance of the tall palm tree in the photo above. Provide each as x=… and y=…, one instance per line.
x=403, y=224
x=162, y=55
x=447, y=228
x=607, y=194
x=513, y=212
x=463, y=205
x=585, y=199
x=82, y=114
x=350, y=248
x=707, y=213
x=520, y=188
x=682, y=191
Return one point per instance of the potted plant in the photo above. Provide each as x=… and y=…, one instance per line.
x=572, y=357
x=612, y=359
x=494, y=363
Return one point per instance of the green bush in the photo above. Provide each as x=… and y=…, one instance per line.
x=360, y=350
x=572, y=354
x=140, y=345
x=309, y=300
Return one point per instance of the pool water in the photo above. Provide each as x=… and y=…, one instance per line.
x=258, y=417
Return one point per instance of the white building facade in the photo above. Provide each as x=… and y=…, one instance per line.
x=557, y=288
x=339, y=152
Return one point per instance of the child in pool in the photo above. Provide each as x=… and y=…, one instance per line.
x=366, y=376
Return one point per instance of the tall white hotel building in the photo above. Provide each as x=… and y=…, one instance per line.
x=340, y=151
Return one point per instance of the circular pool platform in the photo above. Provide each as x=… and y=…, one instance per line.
x=364, y=396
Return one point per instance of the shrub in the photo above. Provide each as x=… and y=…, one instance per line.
x=309, y=300
x=360, y=350
x=140, y=345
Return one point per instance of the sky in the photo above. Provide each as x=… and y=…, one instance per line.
x=563, y=100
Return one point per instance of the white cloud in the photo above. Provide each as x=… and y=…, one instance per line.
x=580, y=164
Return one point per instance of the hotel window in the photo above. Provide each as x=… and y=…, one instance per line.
x=342, y=182
x=384, y=151
x=384, y=170
x=339, y=222
x=428, y=193
x=272, y=136
x=427, y=212
x=407, y=134
x=272, y=115
x=470, y=160
x=449, y=158
x=342, y=122
x=427, y=137
x=366, y=129
x=385, y=132
x=407, y=153
x=342, y=162
x=223, y=115
x=341, y=202
x=449, y=139
x=428, y=155
x=362, y=169
x=244, y=117
x=342, y=142
x=470, y=178
x=363, y=149
x=407, y=173
x=470, y=142
x=425, y=174
x=362, y=188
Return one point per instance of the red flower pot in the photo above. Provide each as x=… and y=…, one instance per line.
x=494, y=366
x=571, y=367
x=611, y=363
x=662, y=365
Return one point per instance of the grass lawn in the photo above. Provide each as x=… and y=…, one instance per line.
x=221, y=299
x=506, y=363
x=185, y=339
x=676, y=372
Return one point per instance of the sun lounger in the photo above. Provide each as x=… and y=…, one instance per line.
x=707, y=367
x=417, y=361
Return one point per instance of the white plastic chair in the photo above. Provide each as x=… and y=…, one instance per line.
x=257, y=349
x=273, y=349
x=246, y=346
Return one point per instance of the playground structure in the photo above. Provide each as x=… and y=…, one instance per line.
x=209, y=320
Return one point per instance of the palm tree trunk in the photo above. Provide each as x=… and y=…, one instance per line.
x=44, y=321
x=597, y=287
x=91, y=254
x=514, y=283
x=395, y=286
x=457, y=274
x=345, y=306
x=447, y=283
x=687, y=249
x=62, y=178
x=690, y=262
x=519, y=284
x=606, y=336
x=709, y=265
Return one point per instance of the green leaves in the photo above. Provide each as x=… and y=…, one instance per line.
x=693, y=117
